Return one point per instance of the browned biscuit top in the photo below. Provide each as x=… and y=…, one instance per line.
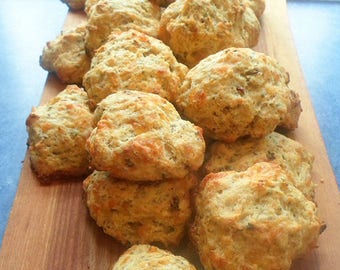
x=195, y=29
x=237, y=92
x=141, y=137
x=253, y=219
x=66, y=55
x=145, y=257
x=140, y=212
x=136, y=61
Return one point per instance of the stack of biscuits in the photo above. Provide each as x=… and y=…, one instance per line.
x=171, y=120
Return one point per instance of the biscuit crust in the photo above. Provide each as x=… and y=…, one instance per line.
x=57, y=133
x=237, y=92
x=106, y=15
x=195, y=29
x=141, y=137
x=140, y=212
x=253, y=220
x=292, y=156
x=133, y=60
x=66, y=56
x=145, y=257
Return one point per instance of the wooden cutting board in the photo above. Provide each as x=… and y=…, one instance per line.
x=49, y=226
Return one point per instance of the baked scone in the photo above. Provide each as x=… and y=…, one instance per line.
x=258, y=6
x=106, y=15
x=141, y=137
x=75, y=4
x=66, y=56
x=140, y=212
x=57, y=132
x=253, y=220
x=146, y=257
x=238, y=92
x=242, y=154
x=136, y=61
x=194, y=29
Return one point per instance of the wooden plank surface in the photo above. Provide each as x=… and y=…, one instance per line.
x=49, y=226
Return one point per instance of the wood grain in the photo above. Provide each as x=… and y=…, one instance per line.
x=49, y=226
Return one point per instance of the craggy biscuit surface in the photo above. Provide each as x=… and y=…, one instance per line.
x=274, y=147
x=195, y=29
x=146, y=257
x=75, y=4
x=57, y=133
x=238, y=92
x=141, y=137
x=253, y=220
x=133, y=60
x=106, y=15
x=139, y=212
x=66, y=56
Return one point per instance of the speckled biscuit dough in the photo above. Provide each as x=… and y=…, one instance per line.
x=107, y=15
x=140, y=212
x=258, y=6
x=238, y=92
x=133, y=60
x=195, y=29
x=253, y=220
x=146, y=257
x=74, y=4
x=242, y=154
x=58, y=131
x=66, y=56
x=141, y=137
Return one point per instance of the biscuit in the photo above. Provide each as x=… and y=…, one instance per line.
x=133, y=60
x=66, y=56
x=140, y=212
x=57, y=133
x=75, y=4
x=195, y=29
x=274, y=147
x=253, y=220
x=107, y=15
x=141, y=137
x=146, y=257
x=238, y=92
x=258, y=6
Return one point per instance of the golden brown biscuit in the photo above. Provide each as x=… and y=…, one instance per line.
x=57, y=134
x=274, y=147
x=195, y=29
x=146, y=257
x=66, y=56
x=133, y=60
x=107, y=15
x=140, y=213
x=253, y=220
x=238, y=92
x=74, y=4
x=141, y=137
x=258, y=6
